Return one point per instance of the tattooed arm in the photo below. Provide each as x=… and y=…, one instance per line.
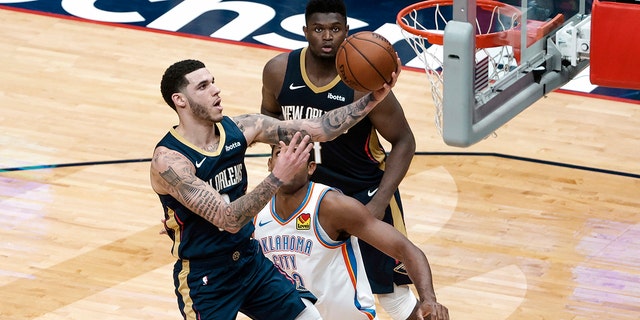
x=262, y=128
x=172, y=173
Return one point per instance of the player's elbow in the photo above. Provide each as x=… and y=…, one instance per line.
x=410, y=140
x=230, y=227
x=407, y=143
x=233, y=230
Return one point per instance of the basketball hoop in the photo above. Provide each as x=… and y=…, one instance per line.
x=423, y=25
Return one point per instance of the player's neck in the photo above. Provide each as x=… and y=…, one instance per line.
x=205, y=137
x=288, y=201
x=320, y=70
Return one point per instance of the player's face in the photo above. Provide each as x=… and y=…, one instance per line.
x=325, y=32
x=301, y=177
x=203, y=96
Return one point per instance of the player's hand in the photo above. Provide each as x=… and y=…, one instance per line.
x=432, y=310
x=292, y=158
x=381, y=93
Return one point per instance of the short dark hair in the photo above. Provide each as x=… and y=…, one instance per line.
x=174, y=78
x=325, y=6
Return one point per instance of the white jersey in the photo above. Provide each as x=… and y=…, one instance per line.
x=332, y=270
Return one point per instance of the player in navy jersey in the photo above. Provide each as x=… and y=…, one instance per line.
x=304, y=83
x=198, y=172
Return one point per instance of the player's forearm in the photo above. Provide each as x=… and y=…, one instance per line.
x=241, y=211
x=419, y=272
x=335, y=122
x=396, y=167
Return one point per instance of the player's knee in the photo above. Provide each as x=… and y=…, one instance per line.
x=310, y=312
x=400, y=303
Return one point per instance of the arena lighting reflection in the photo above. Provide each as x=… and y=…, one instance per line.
x=23, y=202
x=608, y=245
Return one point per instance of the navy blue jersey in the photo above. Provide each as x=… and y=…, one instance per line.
x=351, y=162
x=224, y=169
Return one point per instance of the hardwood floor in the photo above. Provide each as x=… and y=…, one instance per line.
x=539, y=222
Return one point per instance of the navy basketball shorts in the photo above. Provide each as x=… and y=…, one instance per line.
x=244, y=281
x=383, y=271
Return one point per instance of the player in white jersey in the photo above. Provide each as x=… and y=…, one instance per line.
x=299, y=246
x=304, y=231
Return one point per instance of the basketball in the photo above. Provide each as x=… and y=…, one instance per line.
x=365, y=61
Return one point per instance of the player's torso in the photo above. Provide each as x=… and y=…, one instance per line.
x=351, y=162
x=332, y=270
x=300, y=98
x=224, y=170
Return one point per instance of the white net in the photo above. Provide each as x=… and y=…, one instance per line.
x=492, y=63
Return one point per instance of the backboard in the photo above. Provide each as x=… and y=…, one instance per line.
x=489, y=60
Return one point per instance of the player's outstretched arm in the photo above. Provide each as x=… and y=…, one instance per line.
x=360, y=223
x=262, y=128
x=174, y=174
x=390, y=122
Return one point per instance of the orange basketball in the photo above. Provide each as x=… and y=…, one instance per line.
x=365, y=61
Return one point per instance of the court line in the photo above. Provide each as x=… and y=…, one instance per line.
x=418, y=153
x=533, y=160
x=72, y=164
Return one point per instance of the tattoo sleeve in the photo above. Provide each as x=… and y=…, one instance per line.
x=203, y=200
x=329, y=126
x=337, y=121
x=242, y=210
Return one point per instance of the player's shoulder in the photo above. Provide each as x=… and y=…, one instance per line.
x=242, y=121
x=277, y=63
x=332, y=209
x=253, y=124
x=273, y=72
x=334, y=198
x=164, y=156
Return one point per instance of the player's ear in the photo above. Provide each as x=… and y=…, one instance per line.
x=304, y=31
x=178, y=99
x=311, y=167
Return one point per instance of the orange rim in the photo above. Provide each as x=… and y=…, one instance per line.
x=492, y=39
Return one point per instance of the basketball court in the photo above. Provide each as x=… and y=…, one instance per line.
x=538, y=220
